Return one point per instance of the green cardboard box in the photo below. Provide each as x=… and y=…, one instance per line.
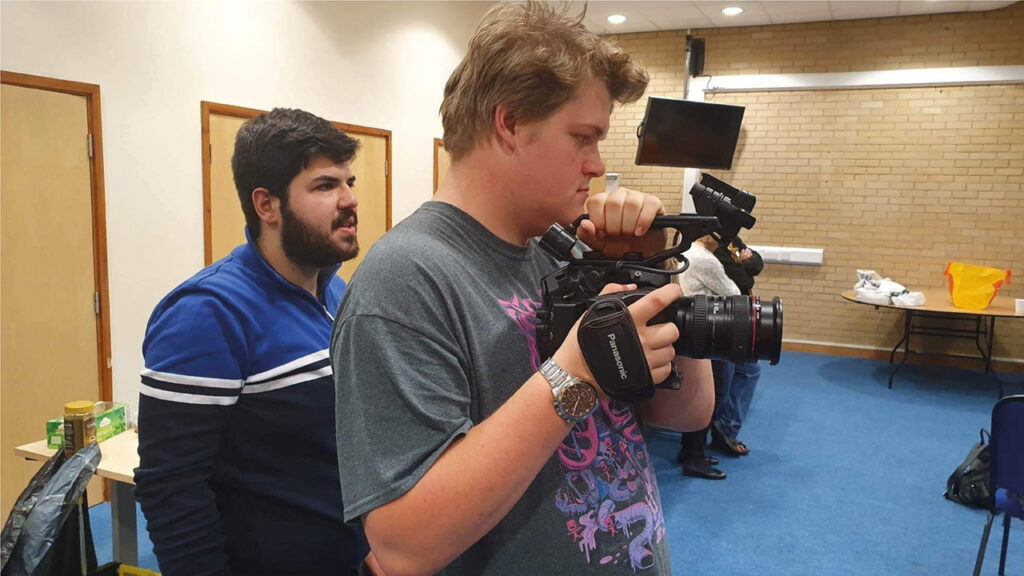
x=111, y=420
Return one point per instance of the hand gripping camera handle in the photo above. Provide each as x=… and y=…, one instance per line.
x=612, y=349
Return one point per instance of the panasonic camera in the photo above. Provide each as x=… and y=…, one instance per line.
x=735, y=328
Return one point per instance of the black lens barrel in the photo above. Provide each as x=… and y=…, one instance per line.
x=734, y=328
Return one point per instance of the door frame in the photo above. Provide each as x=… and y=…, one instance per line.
x=438, y=144
x=207, y=108
x=91, y=92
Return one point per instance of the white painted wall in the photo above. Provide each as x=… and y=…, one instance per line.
x=379, y=64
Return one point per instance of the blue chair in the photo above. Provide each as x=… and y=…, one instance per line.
x=1007, y=472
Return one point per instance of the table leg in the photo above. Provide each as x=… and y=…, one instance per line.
x=979, y=323
x=988, y=357
x=122, y=512
x=892, y=355
x=991, y=338
x=906, y=345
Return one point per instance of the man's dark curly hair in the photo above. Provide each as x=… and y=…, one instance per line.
x=273, y=148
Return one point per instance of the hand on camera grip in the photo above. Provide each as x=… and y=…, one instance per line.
x=611, y=346
x=647, y=359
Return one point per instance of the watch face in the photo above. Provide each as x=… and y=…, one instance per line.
x=578, y=400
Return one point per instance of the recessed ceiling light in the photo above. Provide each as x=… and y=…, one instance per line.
x=732, y=10
x=616, y=18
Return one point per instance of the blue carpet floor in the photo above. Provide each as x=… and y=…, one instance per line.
x=99, y=518
x=845, y=477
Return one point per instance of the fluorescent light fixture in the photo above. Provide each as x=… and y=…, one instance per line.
x=616, y=18
x=732, y=10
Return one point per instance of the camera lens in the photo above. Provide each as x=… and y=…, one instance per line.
x=734, y=328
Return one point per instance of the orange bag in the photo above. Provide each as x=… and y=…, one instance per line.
x=973, y=287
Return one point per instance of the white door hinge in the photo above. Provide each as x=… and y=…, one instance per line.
x=387, y=168
x=88, y=139
x=96, y=302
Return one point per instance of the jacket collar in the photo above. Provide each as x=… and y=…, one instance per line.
x=249, y=255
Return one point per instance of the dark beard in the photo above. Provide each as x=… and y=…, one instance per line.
x=305, y=246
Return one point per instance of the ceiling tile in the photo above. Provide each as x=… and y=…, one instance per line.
x=753, y=13
x=680, y=15
x=918, y=7
x=981, y=6
x=848, y=9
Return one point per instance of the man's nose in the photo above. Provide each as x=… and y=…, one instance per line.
x=347, y=198
x=593, y=166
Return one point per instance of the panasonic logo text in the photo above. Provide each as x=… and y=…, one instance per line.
x=617, y=357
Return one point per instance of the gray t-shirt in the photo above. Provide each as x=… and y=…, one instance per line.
x=436, y=332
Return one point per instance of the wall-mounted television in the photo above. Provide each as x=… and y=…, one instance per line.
x=688, y=134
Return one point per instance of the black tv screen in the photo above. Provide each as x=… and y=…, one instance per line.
x=688, y=134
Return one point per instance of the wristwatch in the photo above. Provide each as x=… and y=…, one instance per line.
x=574, y=399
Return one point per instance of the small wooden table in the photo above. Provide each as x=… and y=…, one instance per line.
x=120, y=458
x=939, y=305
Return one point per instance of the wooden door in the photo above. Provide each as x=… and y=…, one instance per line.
x=370, y=169
x=225, y=224
x=53, y=339
x=441, y=162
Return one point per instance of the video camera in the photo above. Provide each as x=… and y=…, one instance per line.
x=735, y=328
x=677, y=133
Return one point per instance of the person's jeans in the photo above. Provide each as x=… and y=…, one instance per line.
x=737, y=392
x=722, y=370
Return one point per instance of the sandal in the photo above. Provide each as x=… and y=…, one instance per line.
x=727, y=444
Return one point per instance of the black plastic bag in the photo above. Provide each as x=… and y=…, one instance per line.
x=969, y=483
x=24, y=504
x=48, y=544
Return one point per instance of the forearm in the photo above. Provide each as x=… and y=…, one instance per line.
x=178, y=445
x=471, y=487
x=187, y=539
x=371, y=566
x=182, y=519
x=688, y=408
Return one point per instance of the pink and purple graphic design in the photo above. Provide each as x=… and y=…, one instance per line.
x=609, y=497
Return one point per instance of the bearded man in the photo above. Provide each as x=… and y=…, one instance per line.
x=238, y=463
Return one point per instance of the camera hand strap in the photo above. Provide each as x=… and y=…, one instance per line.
x=612, y=349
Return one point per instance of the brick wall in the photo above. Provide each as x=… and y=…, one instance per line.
x=897, y=180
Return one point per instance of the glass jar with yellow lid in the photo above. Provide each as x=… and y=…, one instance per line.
x=79, y=426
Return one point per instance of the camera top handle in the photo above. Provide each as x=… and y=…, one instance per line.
x=559, y=242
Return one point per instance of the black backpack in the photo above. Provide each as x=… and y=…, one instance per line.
x=969, y=483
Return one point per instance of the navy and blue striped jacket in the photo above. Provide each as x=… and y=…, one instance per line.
x=238, y=463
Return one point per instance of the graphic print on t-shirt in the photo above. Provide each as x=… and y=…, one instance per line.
x=524, y=313
x=610, y=497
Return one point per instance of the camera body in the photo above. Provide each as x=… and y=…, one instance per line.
x=567, y=293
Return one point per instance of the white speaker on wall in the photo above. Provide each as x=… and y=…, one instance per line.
x=611, y=181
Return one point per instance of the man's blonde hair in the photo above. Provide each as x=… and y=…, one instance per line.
x=529, y=57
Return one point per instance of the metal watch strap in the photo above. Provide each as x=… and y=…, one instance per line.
x=559, y=379
x=555, y=375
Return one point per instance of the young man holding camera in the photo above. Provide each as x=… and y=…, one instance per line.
x=451, y=451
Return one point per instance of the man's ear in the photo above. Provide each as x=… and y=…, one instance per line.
x=505, y=127
x=267, y=206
